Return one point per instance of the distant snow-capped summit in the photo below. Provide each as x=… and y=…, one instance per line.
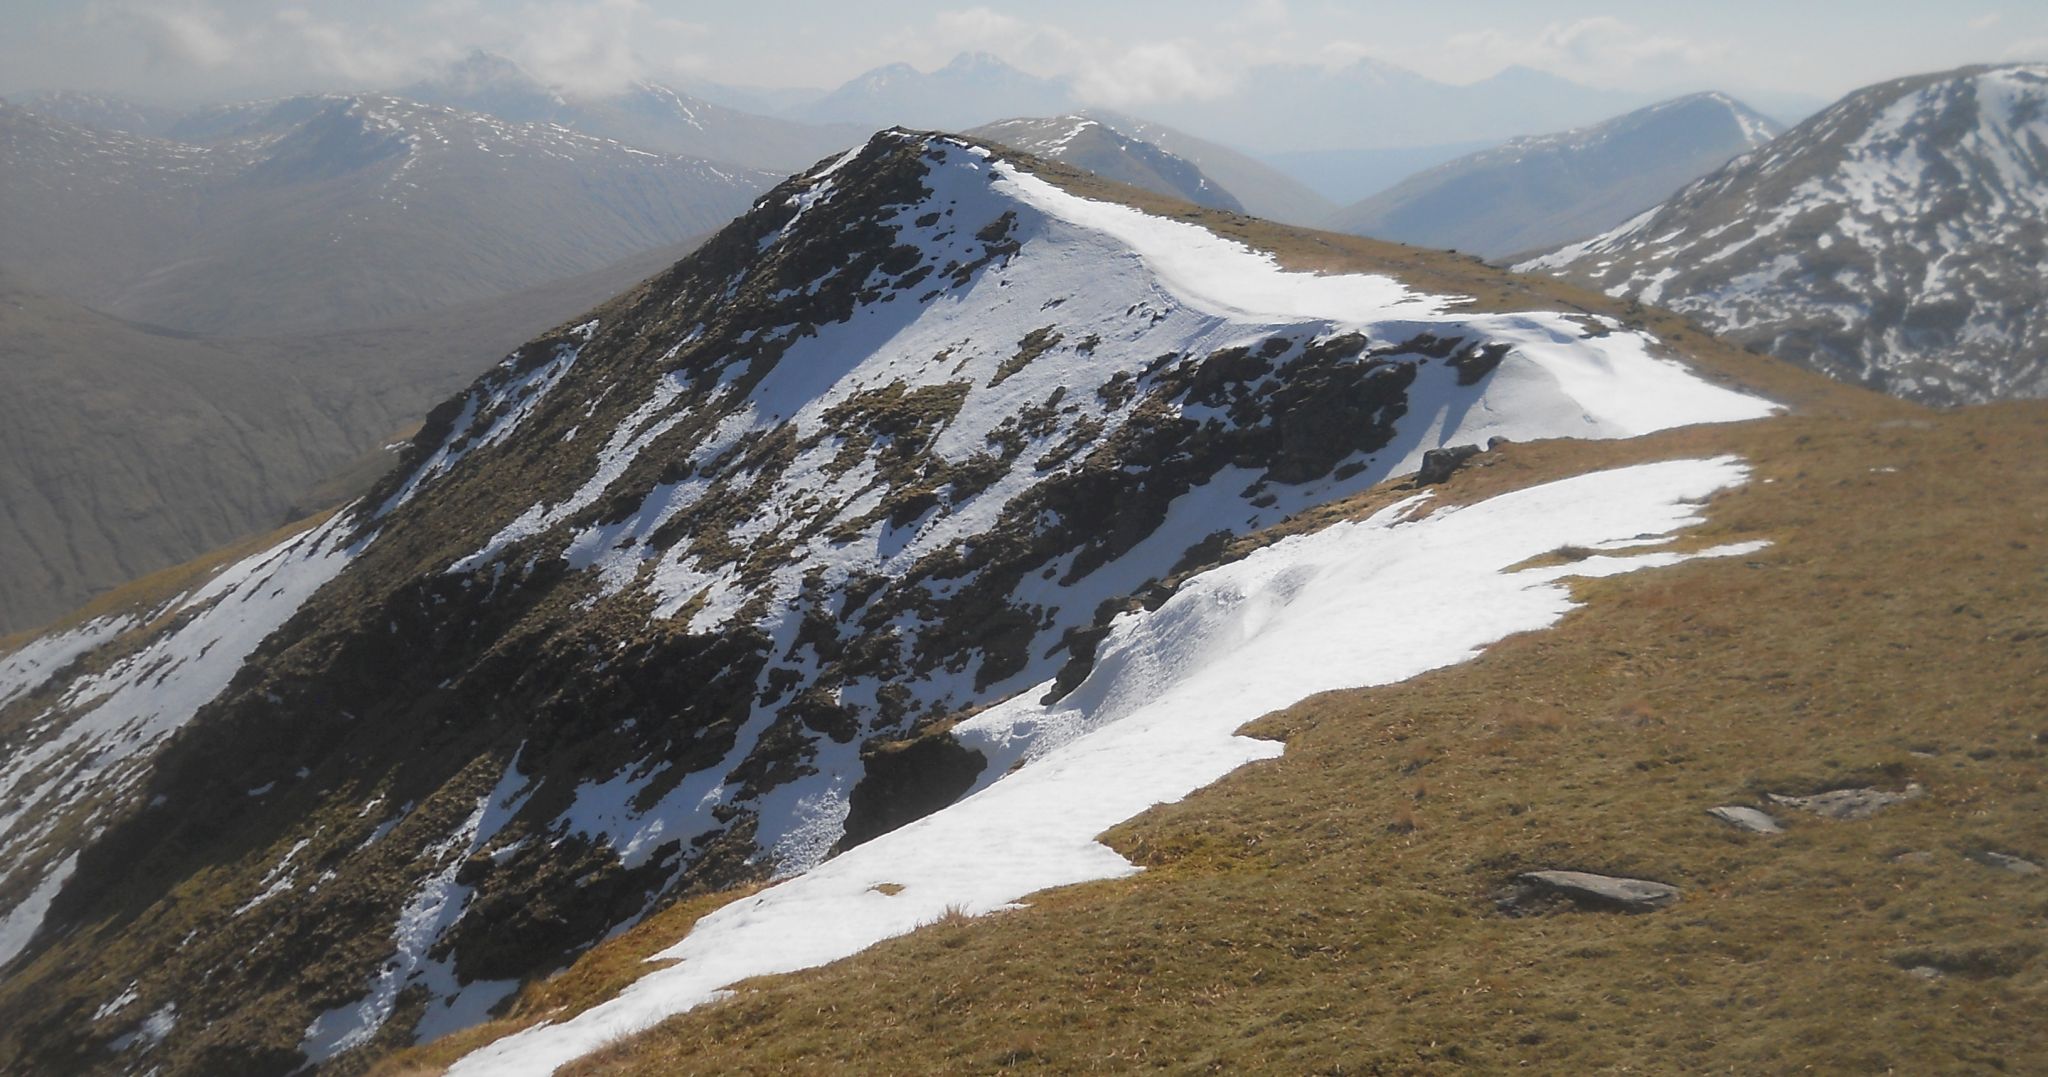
x=1895, y=239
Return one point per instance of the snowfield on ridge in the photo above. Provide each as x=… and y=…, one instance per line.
x=921, y=433
x=1157, y=720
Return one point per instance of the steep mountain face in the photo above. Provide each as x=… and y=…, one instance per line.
x=1092, y=145
x=125, y=449
x=975, y=88
x=691, y=593
x=333, y=212
x=1536, y=192
x=1895, y=240
x=647, y=115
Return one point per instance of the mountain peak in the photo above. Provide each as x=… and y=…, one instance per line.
x=1843, y=244
x=977, y=62
x=636, y=612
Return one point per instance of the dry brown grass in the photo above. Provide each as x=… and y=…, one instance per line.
x=1331, y=911
x=598, y=975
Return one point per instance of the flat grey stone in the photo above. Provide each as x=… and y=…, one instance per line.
x=1603, y=891
x=2006, y=862
x=1748, y=819
x=1848, y=803
x=1925, y=972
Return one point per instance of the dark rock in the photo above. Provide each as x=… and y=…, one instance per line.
x=1535, y=889
x=1439, y=464
x=906, y=780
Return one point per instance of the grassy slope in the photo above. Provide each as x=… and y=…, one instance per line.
x=1332, y=911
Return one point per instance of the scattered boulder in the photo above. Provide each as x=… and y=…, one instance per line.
x=2006, y=862
x=1848, y=803
x=1439, y=464
x=1916, y=857
x=1748, y=819
x=1534, y=890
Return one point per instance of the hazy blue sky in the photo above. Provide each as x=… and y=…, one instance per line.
x=1123, y=53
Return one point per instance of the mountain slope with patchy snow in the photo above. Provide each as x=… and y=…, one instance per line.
x=643, y=611
x=1894, y=240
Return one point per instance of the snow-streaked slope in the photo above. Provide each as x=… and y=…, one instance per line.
x=1541, y=190
x=1143, y=286
x=1157, y=719
x=88, y=748
x=1896, y=240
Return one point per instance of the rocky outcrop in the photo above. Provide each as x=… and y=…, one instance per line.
x=1848, y=803
x=1536, y=890
x=1743, y=818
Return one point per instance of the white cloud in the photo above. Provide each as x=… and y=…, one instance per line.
x=593, y=46
x=2032, y=48
x=1145, y=74
x=171, y=36
x=203, y=46
x=1986, y=21
x=1602, y=50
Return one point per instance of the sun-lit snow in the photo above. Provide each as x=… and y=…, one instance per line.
x=29, y=666
x=1141, y=286
x=1356, y=604
x=1134, y=288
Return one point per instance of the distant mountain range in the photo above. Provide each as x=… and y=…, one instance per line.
x=1539, y=191
x=1896, y=239
x=648, y=115
x=1368, y=104
x=975, y=88
x=333, y=212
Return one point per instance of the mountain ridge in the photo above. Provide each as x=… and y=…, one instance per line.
x=792, y=526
